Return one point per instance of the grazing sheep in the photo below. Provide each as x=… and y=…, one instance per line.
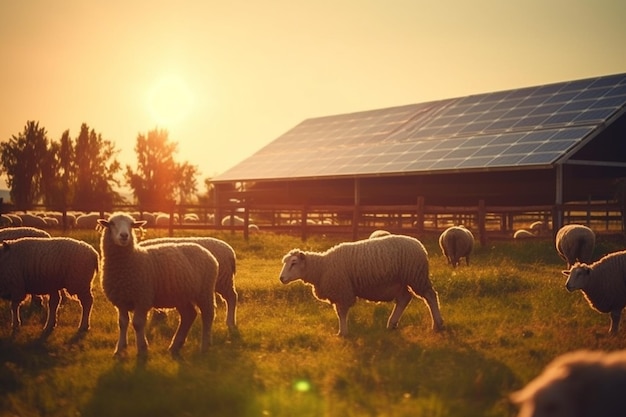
x=9, y=233
x=137, y=278
x=30, y=220
x=87, y=221
x=232, y=220
x=34, y=265
x=382, y=269
x=538, y=228
x=523, y=234
x=574, y=243
x=378, y=233
x=15, y=219
x=576, y=384
x=603, y=283
x=226, y=259
x=456, y=242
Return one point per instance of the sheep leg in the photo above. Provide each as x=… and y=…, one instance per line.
x=140, y=317
x=230, y=296
x=86, y=303
x=207, y=311
x=342, y=315
x=615, y=317
x=16, y=322
x=402, y=301
x=430, y=296
x=122, y=342
x=53, y=306
x=188, y=314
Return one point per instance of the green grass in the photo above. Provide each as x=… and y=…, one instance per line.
x=507, y=315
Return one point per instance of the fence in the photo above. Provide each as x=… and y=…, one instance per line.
x=488, y=222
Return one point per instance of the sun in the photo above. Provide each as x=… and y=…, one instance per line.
x=170, y=101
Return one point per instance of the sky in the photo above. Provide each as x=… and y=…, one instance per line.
x=225, y=78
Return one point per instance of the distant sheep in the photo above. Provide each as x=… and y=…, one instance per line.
x=378, y=233
x=137, y=278
x=30, y=220
x=382, y=269
x=232, y=220
x=523, y=234
x=9, y=233
x=16, y=220
x=87, y=221
x=603, y=283
x=47, y=266
x=456, y=242
x=576, y=384
x=538, y=228
x=226, y=259
x=575, y=243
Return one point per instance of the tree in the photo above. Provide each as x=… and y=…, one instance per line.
x=159, y=178
x=95, y=169
x=23, y=158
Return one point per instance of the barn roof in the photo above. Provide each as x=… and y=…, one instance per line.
x=530, y=127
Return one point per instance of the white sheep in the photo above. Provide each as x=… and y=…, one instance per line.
x=226, y=258
x=9, y=233
x=603, y=283
x=87, y=221
x=34, y=265
x=378, y=233
x=576, y=384
x=575, y=243
x=137, y=278
x=383, y=269
x=456, y=242
x=31, y=220
x=523, y=234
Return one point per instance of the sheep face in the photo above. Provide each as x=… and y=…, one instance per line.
x=121, y=228
x=578, y=277
x=294, y=264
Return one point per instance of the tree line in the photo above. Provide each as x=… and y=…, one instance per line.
x=84, y=173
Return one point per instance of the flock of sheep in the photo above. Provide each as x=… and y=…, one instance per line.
x=186, y=274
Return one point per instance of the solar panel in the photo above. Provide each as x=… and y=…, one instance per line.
x=526, y=127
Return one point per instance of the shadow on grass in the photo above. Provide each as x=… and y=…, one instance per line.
x=216, y=384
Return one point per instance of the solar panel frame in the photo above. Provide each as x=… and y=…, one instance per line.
x=526, y=127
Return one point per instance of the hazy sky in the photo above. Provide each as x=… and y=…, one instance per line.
x=227, y=77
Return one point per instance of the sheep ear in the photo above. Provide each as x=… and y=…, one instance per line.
x=139, y=224
x=565, y=272
x=5, y=246
x=104, y=223
x=301, y=256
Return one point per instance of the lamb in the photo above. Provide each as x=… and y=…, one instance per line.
x=137, y=278
x=603, y=284
x=456, y=242
x=35, y=265
x=575, y=242
x=383, y=269
x=226, y=259
x=576, y=384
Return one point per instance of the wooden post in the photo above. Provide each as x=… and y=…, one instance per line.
x=482, y=229
x=246, y=222
x=303, y=225
x=420, y=215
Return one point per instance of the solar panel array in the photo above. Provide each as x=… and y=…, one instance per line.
x=525, y=127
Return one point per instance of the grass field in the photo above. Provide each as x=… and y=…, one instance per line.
x=507, y=315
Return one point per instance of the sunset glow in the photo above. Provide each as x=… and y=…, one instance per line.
x=170, y=101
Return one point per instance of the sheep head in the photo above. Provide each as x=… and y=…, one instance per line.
x=120, y=228
x=294, y=264
x=577, y=277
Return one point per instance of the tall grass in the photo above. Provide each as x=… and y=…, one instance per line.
x=506, y=315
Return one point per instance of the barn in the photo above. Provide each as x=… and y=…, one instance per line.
x=546, y=145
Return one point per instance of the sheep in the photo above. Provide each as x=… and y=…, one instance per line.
x=575, y=242
x=39, y=265
x=603, y=284
x=456, y=242
x=382, y=269
x=523, y=234
x=10, y=233
x=582, y=383
x=378, y=233
x=30, y=220
x=87, y=221
x=226, y=259
x=137, y=278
